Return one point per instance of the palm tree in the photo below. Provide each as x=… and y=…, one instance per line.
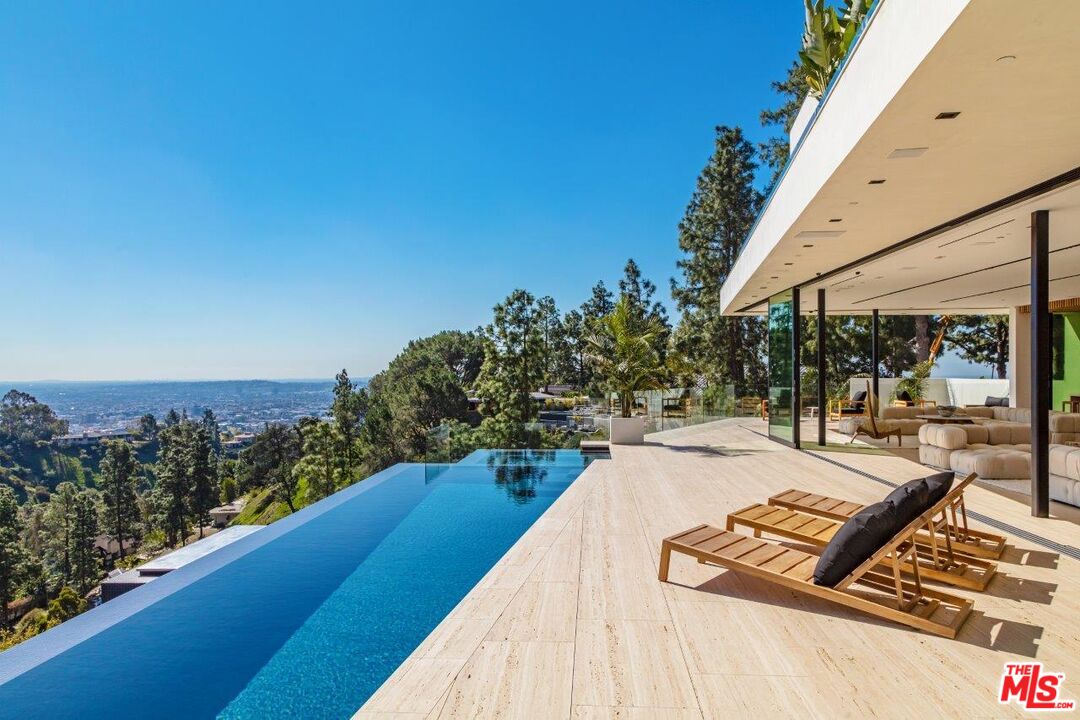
x=622, y=347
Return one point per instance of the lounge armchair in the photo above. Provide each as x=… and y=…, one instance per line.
x=864, y=588
x=965, y=541
x=840, y=408
x=934, y=555
x=874, y=428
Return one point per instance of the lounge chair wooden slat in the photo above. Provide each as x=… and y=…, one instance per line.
x=820, y=528
x=804, y=569
x=705, y=532
x=737, y=550
x=786, y=560
x=718, y=543
x=755, y=511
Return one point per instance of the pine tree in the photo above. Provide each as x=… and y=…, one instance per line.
x=322, y=467
x=513, y=367
x=119, y=474
x=346, y=412
x=202, y=473
x=172, y=495
x=981, y=339
x=58, y=517
x=600, y=304
x=728, y=350
x=85, y=563
x=213, y=431
x=792, y=90
x=12, y=554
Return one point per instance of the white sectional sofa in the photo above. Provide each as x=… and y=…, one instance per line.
x=998, y=448
x=904, y=417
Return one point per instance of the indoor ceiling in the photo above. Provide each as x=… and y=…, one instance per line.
x=1011, y=71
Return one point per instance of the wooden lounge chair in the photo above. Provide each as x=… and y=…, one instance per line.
x=887, y=596
x=934, y=557
x=965, y=541
x=874, y=428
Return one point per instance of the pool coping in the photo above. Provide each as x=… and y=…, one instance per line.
x=26, y=656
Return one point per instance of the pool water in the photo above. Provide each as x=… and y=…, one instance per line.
x=310, y=623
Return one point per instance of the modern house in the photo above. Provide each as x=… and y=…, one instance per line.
x=120, y=583
x=939, y=174
x=90, y=438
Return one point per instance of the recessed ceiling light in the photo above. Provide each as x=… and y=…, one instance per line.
x=950, y=115
x=879, y=181
x=912, y=152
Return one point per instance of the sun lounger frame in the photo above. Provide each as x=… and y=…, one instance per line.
x=898, y=599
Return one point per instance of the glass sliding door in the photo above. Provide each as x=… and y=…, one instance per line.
x=783, y=314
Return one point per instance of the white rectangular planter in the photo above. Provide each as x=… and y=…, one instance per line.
x=627, y=431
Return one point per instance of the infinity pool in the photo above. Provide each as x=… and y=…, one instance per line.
x=305, y=618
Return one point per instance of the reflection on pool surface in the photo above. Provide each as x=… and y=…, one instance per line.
x=311, y=622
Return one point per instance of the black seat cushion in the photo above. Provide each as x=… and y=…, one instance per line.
x=905, y=396
x=910, y=500
x=939, y=486
x=992, y=401
x=856, y=540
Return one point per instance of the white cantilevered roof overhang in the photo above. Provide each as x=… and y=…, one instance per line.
x=948, y=229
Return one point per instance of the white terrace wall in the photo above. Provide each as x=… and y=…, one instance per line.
x=945, y=391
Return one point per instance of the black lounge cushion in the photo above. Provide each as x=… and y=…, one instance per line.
x=859, y=396
x=861, y=536
x=911, y=500
x=939, y=486
x=992, y=401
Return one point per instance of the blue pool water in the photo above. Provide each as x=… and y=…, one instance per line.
x=311, y=622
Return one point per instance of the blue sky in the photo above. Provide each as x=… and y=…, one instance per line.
x=238, y=190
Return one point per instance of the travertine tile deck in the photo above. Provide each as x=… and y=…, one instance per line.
x=572, y=622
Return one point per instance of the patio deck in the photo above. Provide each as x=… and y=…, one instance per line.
x=572, y=622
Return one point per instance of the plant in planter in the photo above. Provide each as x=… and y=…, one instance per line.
x=915, y=383
x=622, y=348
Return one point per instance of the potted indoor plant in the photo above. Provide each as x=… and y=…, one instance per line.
x=622, y=348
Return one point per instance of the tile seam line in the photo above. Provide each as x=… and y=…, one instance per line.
x=683, y=650
x=517, y=591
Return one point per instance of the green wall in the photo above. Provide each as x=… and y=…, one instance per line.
x=1069, y=383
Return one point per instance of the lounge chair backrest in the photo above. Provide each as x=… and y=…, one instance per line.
x=906, y=532
x=871, y=407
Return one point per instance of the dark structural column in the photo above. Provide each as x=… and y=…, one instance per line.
x=796, y=371
x=821, y=366
x=1040, y=363
x=875, y=359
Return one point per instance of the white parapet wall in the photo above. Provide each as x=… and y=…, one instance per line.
x=944, y=391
